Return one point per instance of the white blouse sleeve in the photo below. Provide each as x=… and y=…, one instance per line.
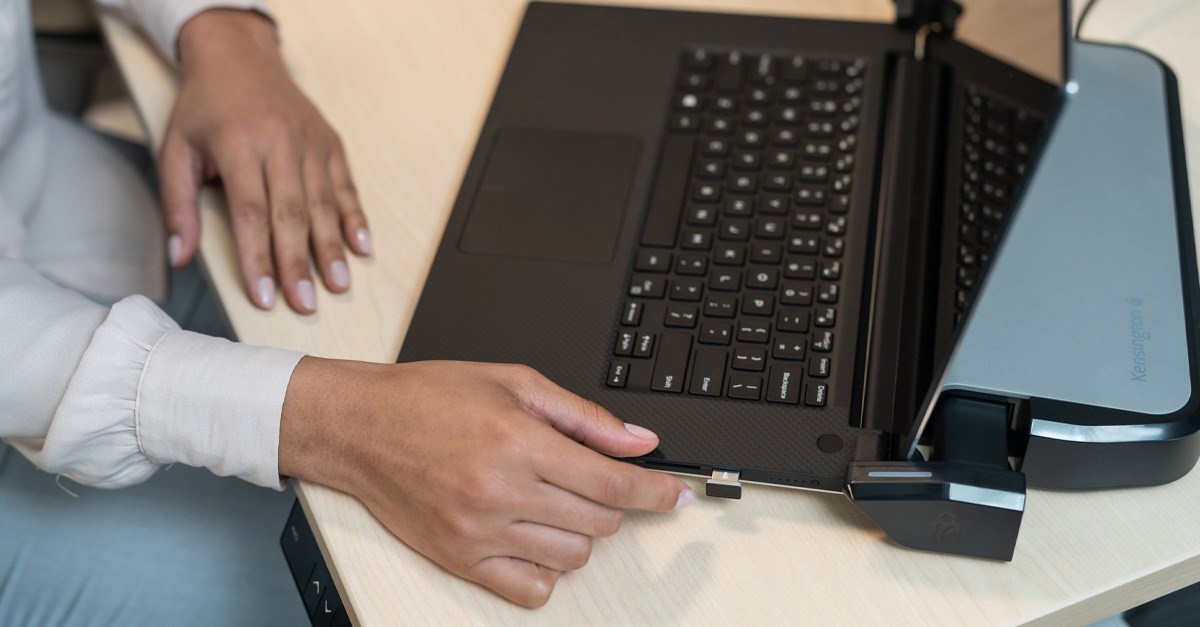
x=162, y=19
x=105, y=397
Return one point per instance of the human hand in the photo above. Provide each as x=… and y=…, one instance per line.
x=491, y=471
x=240, y=118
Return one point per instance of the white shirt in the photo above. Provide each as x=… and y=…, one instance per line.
x=107, y=396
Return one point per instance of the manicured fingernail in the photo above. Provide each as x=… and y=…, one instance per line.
x=641, y=432
x=363, y=237
x=339, y=274
x=306, y=294
x=174, y=249
x=685, y=498
x=264, y=292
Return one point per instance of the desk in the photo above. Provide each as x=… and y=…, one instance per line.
x=408, y=83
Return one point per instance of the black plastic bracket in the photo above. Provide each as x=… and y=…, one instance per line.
x=914, y=15
x=966, y=500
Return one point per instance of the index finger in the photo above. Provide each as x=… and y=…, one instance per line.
x=577, y=468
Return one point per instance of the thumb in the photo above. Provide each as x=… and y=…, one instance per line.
x=179, y=170
x=582, y=420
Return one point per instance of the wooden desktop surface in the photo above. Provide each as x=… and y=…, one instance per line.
x=408, y=83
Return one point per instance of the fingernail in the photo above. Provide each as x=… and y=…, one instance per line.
x=264, y=292
x=641, y=432
x=339, y=274
x=363, y=237
x=174, y=249
x=307, y=295
x=685, y=498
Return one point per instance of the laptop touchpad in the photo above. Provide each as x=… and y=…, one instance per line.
x=555, y=195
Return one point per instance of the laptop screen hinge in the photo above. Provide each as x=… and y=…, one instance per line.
x=925, y=18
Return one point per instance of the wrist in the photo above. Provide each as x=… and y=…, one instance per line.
x=323, y=415
x=222, y=35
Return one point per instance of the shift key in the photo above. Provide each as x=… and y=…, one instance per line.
x=671, y=366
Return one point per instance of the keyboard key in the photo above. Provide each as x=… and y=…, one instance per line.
x=792, y=319
x=794, y=293
x=709, y=169
x=754, y=331
x=766, y=253
x=681, y=316
x=744, y=386
x=706, y=192
x=834, y=246
x=687, y=289
x=648, y=286
x=783, y=386
x=769, y=228
x=762, y=278
x=715, y=148
x=753, y=359
x=825, y=317
x=653, y=261
x=788, y=346
x=671, y=365
x=731, y=69
x=797, y=268
x=807, y=220
x=774, y=204
x=708, y=372
x=716, y=333
x=618, y=372
x=816, y=394
x=828, y=293
x=720, y=306
x=804, y=245
x=743, y=184
x=747, y=161
x=734, y=230
x=626, y=340
x=811, y=196
x=739, y=207
x=702, y=215
x=633, y=314
x=691, y=264
x=822, y=341
x=831, y=270
x=696, y=239
x=644, y=346
x=730, y=255
x=758, y=305
x=819, y=367
x=725, y=280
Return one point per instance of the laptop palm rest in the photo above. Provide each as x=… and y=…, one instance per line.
x=552, y=195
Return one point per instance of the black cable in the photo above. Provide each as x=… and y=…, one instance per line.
x=1083, y=16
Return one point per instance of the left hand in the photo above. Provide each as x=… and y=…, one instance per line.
x=239, y=117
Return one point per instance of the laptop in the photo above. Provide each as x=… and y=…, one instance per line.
x=756, y=236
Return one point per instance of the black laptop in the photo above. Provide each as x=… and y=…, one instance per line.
x=753, y=235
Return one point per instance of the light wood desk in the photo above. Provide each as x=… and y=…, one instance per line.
x=408, y=83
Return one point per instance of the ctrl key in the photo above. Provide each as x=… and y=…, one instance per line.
x=618, y=374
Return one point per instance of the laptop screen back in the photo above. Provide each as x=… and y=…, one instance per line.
x=1026, y=34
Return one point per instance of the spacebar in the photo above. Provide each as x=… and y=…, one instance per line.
x=671, y=365
x=670, y=187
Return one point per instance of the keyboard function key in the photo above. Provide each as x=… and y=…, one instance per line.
x=632, y=316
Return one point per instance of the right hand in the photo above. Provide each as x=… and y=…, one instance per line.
x=491, y=471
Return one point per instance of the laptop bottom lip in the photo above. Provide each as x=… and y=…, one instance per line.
x=824, y=485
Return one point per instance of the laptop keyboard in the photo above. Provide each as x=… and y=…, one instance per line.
x=736, y=285
x=998, y=140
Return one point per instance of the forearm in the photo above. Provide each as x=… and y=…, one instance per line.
x=106, y=397
x=163, y=20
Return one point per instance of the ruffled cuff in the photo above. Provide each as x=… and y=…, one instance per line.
x=146, y=394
